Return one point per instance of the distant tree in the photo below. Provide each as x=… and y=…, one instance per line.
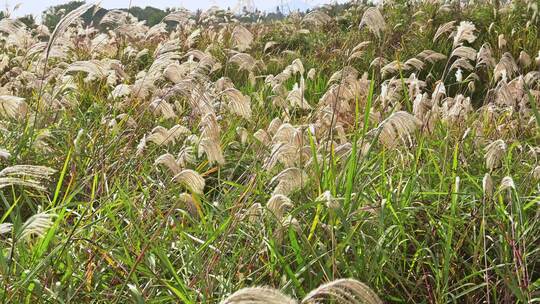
x=54, y=14
x=151, y=15
x=198, y=14
x=276, y=15
x=28, y=20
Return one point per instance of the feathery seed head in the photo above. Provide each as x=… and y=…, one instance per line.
x=464, y=32
x=374, y=21
x=487, y=185
x=36, y=225
x=507, y=183
x=190, y=179
x=494, y=153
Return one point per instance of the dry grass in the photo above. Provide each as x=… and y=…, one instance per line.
x=398, y=145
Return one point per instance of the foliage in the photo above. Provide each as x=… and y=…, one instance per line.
x=194, y=159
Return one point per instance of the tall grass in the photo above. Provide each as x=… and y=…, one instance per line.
x=364, y=168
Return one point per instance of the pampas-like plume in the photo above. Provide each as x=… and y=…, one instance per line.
x=213, y=150
x=262, y=136
x=316, y=18
x=361, y=46
x=177, y=72
x=185, y=156
x=421, y=106
x=506, y=68
x=283, y=132
x=244, y=61
x=36, y=225
x=193, y=38
x=524, y=60
x=4, y=154
x=13, y=107
x=285, y=153
x=64, y=23
x=141, y=146
x=278, y=204
x=509, y=94
x=501, y=42
x=223, y=84
x=170, y=162
x=210, y=127
x=472, y=77
x=289, y=180
x=163, y=108
x=163, y=136
x=188, y=203
x=359, y=50
x=5, y=228
x=239, y=104
x=28, y=171
x=373, y=19
x=390, y=68
x=464, y=32
x=495, y=152
x=296, y=97
x=274, y=126
x=120, y=90
x=26, y=176
x=399, y=125
x=243, y=134
x=347, y=74
x=532, y=78
x=378, y=62
x=117, y=17
x=258, y=295
x=507, y=183
x=181, y=16
x=241, y=38
x=343, y=291
x=296, y=67
x=190, y=179
x=11, y=26
x=444, y=28
x=431, y=56
x=95, y=69
x=487, y=185
x=536, y=173
x=484, y=56
x=311, y=74
x=456, y=110
x=269, y=45
x=464, y=52
x=461, y=63
x=413, y=63
x=438, y=93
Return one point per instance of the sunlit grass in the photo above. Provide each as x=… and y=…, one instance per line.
x=287, y=167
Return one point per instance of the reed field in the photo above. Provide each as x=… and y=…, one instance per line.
x=354, y=153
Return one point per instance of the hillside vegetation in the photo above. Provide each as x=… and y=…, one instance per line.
x=395, y=145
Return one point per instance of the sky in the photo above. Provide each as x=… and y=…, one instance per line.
x=35, y=7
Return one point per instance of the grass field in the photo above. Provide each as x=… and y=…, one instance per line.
x=396, y=145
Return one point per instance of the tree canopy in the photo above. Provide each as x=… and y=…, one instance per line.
x=53, y=14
